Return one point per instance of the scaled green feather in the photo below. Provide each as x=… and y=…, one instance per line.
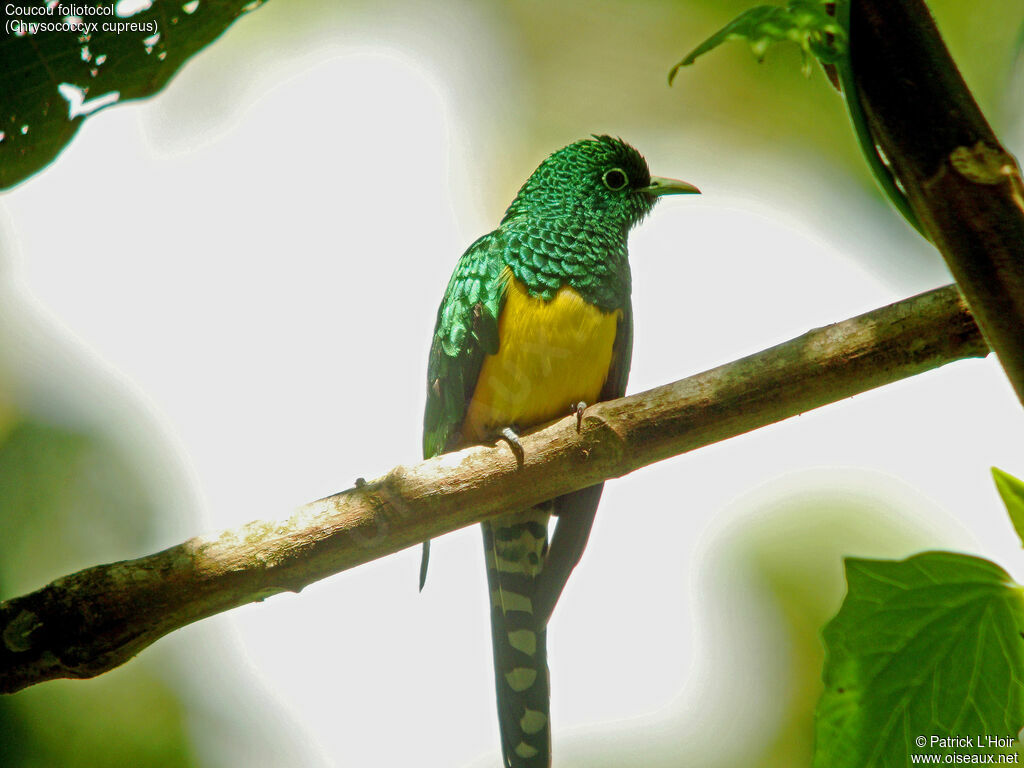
x=466, y=331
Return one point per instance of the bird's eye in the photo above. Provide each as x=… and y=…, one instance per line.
x=615, y=179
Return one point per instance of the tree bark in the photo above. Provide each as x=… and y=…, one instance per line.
x=91, y=621
x=963, y=185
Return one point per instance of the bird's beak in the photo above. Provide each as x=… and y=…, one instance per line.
x=661, y=186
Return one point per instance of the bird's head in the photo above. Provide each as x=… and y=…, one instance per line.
x=602, y=179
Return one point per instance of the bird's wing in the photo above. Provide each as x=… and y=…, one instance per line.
x=576, y=510
x=465, y=333
x=622, y=356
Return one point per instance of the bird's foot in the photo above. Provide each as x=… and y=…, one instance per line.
x=508, y=434
x=578, y=410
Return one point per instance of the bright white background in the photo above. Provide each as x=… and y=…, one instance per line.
x=238, y=279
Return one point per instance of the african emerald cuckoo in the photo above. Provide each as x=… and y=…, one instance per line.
x=536, y=324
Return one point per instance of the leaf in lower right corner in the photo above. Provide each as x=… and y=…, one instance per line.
x=926, y=646
x=1012, y=492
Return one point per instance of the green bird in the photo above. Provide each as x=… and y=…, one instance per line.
x=535, y=324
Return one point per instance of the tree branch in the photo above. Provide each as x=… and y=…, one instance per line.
x=91, y=621
x=963, y=185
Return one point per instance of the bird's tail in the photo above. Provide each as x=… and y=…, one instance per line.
x=515, y=547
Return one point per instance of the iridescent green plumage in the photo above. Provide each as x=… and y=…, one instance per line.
x=560, y=253
x=564, y=227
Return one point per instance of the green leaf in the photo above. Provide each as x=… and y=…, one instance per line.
x=1012, y=491
x=808, y=23
x=44, y=72
x=928, y=646
x=804, y=22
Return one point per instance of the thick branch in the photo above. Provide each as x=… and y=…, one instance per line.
x=93, y=620
x=963, y=185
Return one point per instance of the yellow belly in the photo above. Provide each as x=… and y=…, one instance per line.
x=551, y=355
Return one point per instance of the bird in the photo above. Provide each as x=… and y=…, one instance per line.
x=535, y=325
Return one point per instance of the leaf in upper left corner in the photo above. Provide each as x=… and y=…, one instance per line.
x=52, y=79
x=1012, y=492
x=804, y=22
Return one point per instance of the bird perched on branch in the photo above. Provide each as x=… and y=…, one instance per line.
x=536, y=324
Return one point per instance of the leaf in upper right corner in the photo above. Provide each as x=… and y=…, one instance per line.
x=1012, y=491
x=930, y=645
x=804, y=22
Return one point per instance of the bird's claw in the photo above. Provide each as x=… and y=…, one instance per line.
x=578, y=409
x=508, y=434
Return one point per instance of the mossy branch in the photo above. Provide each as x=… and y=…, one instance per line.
x=94, y=620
